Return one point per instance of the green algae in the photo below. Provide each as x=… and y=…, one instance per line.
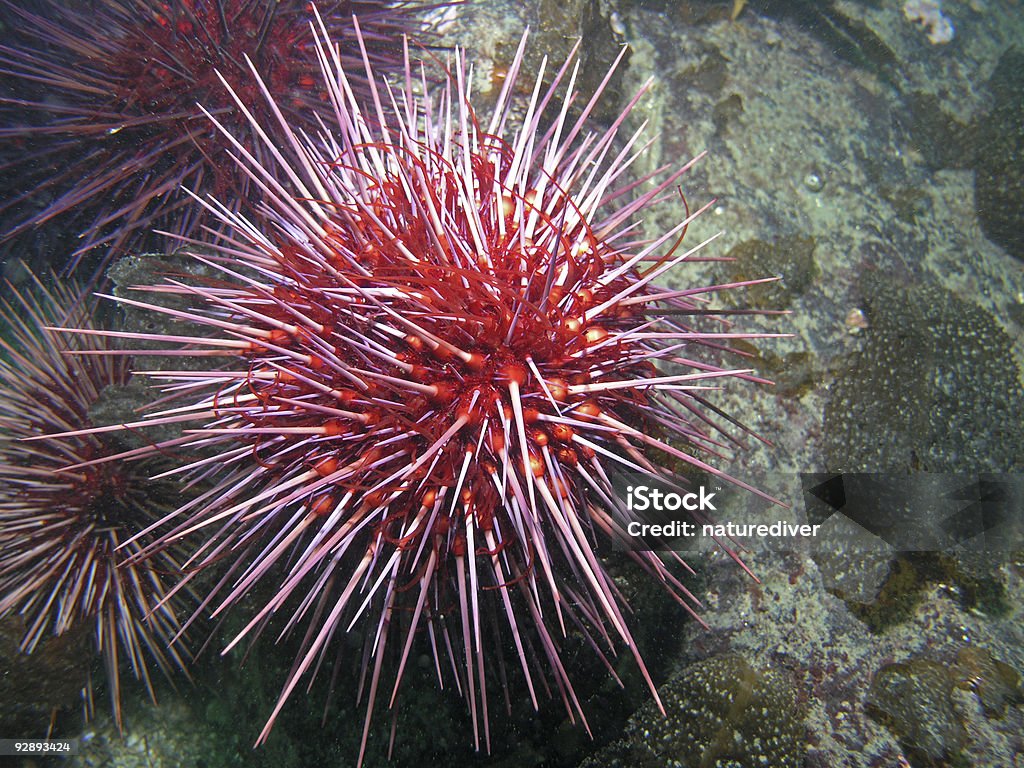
x=994, y=682
x=902, y=590
x=910, y=577
x=942, y=140
x=788, y=257
x=708, y=76
x=726, y=112
x=794, y=373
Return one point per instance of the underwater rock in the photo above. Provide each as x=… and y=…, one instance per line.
x=942, y=140
x=934, y=388
x=995, y=683
x=847, y=37
x=34, y=686
x=558, y=24
x=720, y=712
x=915, y=700
x=168, y=735
x=151, y=269
x=857, y=566
x=790, y=257
x=999, y=176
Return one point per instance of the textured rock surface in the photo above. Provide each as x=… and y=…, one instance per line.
x=921, y=702
x=999, y=179
x=720, y=713
x=934, y=388
x=914, y=700
x=790, y=258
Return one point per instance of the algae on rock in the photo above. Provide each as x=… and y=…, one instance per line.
x=935, y=388
x=721, y=713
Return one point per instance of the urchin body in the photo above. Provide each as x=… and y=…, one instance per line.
x=439, y=340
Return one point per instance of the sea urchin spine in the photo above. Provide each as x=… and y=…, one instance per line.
x=440, y=336
x=64, y=556
x=106, y=102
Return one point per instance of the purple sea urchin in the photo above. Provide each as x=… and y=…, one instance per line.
x=439, y=336
x=63, y=535
x=109, y=122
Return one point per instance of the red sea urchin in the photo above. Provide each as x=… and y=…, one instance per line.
x=439, y=337
x=107, y=115
x=62, y=534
